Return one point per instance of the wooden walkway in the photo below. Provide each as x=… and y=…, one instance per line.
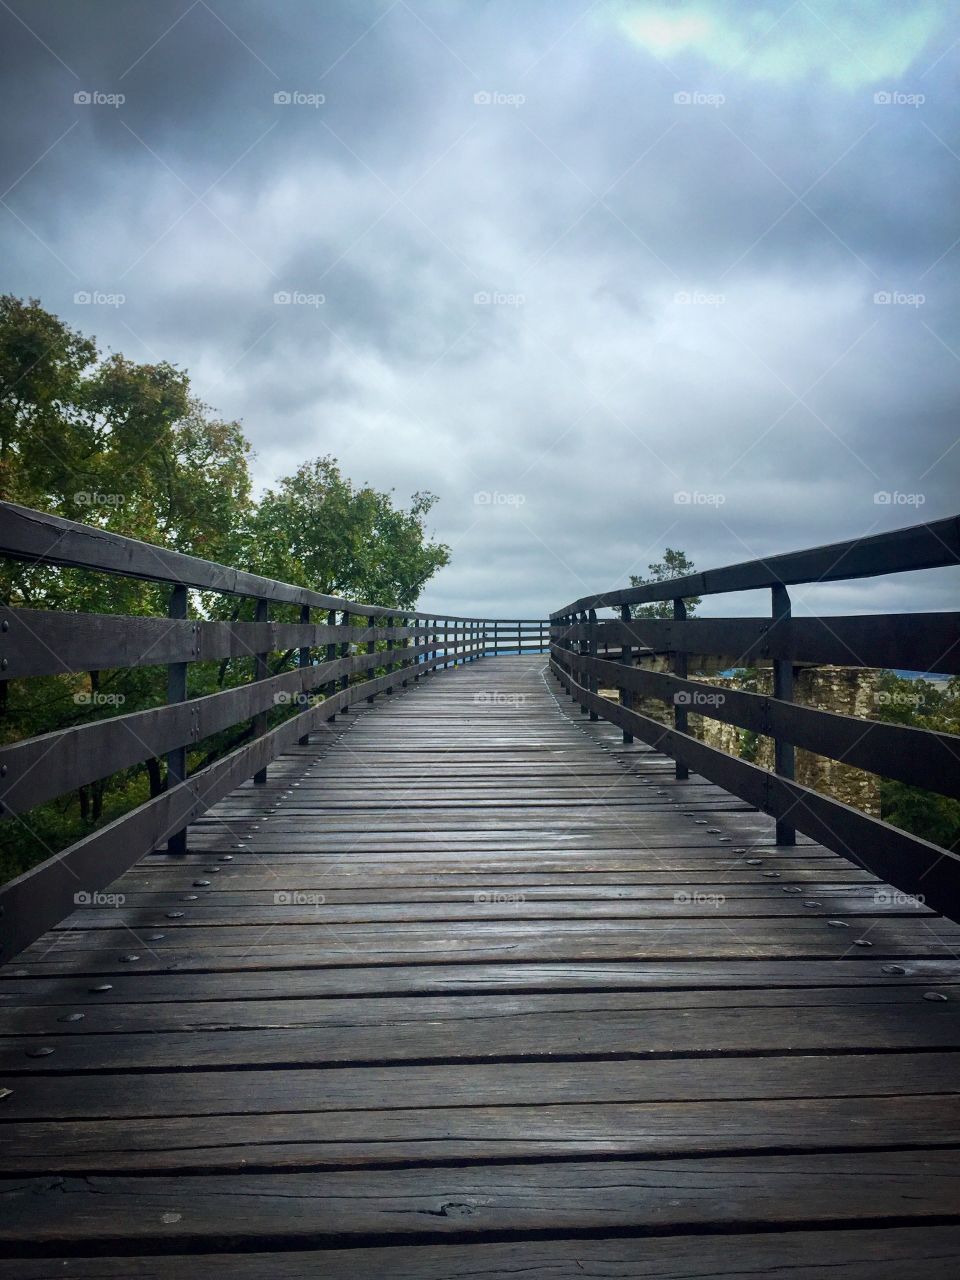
x=471, y=989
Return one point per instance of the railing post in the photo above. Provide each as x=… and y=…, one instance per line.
x=593, y=683
x=345, y=653
x=584, y=648
x=330, y=688
x=680, y=669
x=496, y=639
x=389, y=651
x=260, y=672
x=784, y=762
x=626, y=657
x=304, y=662
x=371, y=648
x=177, y=692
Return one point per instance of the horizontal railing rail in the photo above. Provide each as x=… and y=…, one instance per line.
x=356, y=652
x=589, y=653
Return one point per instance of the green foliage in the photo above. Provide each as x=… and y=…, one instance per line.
x=923, y=705
x=675, y=564
x=126, y=447
x=315, y=527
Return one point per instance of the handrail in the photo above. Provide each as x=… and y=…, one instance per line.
x=403, y=644
x=587, y=651
x=920, y=546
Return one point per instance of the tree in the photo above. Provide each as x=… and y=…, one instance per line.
x=316, y=528
x=127, y=447
x=675, y=564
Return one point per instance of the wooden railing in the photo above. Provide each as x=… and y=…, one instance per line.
x=914, y=641
x=337, y=663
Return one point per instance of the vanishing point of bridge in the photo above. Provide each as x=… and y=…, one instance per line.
x=468, y=968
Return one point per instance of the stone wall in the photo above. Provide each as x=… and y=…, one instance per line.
x=846, y=690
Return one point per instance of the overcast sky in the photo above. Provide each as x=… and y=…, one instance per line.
x=604, y=277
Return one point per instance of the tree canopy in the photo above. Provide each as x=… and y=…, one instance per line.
x=675, y=564
x=128, y=447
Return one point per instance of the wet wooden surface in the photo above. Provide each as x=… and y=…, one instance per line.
x=470, y=988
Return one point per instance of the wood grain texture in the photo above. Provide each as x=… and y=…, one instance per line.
x=471, y=988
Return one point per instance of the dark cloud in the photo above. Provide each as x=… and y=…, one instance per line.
x=559, y=306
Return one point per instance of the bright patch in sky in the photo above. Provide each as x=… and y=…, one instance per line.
x=852, y=42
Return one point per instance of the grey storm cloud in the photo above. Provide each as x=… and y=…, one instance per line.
x=564, y=264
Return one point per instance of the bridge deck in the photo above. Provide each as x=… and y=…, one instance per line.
x=468, y=988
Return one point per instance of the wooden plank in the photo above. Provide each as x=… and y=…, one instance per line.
x=434, y=979
x=514, y=1027
x=420, y=1065
x=400, y=1136
x=890, y=1253
x=480, y=1200
x=482, y=1084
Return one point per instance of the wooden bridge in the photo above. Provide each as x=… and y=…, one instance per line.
x=463, y=968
